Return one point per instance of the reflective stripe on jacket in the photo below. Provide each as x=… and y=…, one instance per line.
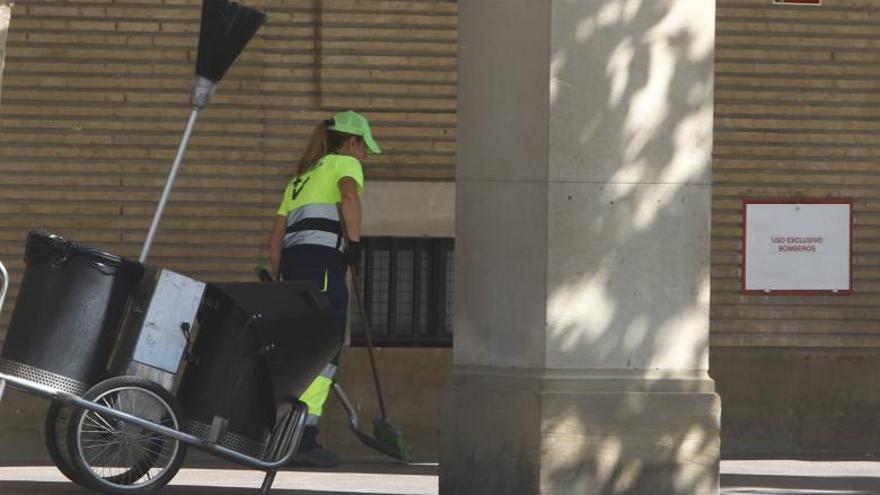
x=310, y=202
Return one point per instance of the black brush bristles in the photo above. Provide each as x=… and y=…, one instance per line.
x=226, y=29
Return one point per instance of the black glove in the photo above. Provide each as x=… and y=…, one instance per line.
x=352, y=254
x=264, y=274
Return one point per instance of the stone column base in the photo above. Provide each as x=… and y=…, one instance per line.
x=585, y=432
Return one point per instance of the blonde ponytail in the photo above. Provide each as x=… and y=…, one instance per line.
x=315, y=150
x=323, y=141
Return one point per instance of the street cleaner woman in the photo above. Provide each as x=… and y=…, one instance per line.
x=307, y=241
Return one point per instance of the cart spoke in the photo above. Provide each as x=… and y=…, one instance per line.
x=149, y=448
x=110, y=402
x=98, y=428
x=103, y=453
x=127, y=478
x=93, y=446
x=154, y=440
x=99, y=420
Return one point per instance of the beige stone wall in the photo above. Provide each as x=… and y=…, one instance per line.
x=796, y=115
x=96, y=96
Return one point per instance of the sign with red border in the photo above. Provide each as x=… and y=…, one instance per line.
x=797, y=246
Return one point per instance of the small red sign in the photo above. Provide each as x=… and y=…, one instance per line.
x=797, y=2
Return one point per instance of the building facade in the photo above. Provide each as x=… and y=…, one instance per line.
x=95, y=96
x=795, y=117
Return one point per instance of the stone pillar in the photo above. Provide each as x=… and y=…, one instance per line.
x=5, y=16
x=582, y=251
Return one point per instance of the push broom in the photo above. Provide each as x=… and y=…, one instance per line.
x=386, y=438
x=225, y=30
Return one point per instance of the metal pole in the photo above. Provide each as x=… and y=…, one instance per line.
x=168, y=185
x=353, y=419
x=5, y=275
x=2, y=300
x=5, y=16
x=267, y=482
x=368, y=334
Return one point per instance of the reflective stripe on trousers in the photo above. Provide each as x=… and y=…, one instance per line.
x=316, y=395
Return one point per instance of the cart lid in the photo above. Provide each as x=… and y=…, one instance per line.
x=41, y=245
x=295, y=329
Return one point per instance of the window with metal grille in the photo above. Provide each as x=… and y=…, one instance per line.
x=407, y=285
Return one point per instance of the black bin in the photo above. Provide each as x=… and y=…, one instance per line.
x=67, y=313
x=258, y=344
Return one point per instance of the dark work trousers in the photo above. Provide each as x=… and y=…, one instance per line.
x=323, y=267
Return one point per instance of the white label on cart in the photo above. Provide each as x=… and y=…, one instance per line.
x=173, y=306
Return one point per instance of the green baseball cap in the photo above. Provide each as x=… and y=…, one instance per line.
x=354, y=123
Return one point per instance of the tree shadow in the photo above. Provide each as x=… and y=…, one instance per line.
x=635, y=307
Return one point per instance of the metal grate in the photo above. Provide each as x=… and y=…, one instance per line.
x=42, y=377
x=238, y=443
x=408, y=290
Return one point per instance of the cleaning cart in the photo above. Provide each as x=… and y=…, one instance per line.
x=141, y=362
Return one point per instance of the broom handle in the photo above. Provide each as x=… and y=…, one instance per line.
x=368, y=334
x=5, y=285
x=168, y=185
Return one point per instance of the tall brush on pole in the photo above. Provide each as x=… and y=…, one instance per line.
x=226, y=29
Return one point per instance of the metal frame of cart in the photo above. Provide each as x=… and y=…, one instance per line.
x=281, y=446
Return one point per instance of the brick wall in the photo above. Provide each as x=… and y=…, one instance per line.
x=95, y=98
x=797, y=115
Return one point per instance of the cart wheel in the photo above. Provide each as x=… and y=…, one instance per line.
x=55, y=434
x=119, y=458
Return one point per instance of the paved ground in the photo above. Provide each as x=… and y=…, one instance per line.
x=364, y=479
x=737, y=478
x=800, y=477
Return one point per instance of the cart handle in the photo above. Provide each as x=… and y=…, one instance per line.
x=5, y=285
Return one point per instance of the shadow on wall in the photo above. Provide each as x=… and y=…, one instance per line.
x=631, y=291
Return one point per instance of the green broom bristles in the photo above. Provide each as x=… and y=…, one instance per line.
x=226, y=29
x=391, y=439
